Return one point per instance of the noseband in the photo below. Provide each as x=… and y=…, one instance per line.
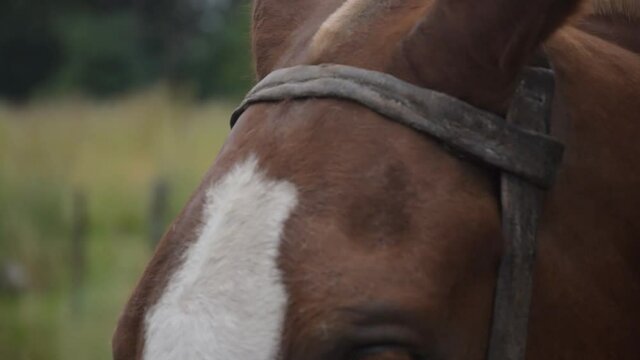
x=519, y=147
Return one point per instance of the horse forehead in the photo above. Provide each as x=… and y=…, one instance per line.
x=227, y=300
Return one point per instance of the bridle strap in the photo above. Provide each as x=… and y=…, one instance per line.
x=521, y=207
x=468, y=130
x=519, y=147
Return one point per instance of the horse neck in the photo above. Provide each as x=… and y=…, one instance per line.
x=588, y=263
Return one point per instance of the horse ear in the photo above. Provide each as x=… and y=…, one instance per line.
x=475, y=49
x=275, y=30
x=263, y=40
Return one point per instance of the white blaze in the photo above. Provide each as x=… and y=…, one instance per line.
x=227, y=301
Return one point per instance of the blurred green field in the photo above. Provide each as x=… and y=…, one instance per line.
x=113, y=152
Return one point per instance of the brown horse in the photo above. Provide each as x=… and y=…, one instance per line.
x=325, y=231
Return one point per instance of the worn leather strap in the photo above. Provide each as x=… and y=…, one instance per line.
x=521, y=207
x=482, y=135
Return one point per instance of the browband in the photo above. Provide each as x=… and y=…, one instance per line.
x=528, y=154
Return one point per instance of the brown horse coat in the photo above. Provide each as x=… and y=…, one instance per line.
x=391, y=246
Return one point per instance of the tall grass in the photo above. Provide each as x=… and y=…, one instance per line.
x=113, y=152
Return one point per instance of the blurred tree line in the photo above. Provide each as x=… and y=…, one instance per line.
x=106, y=47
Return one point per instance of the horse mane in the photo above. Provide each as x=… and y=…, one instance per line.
x=354, y=14
x=626, y=8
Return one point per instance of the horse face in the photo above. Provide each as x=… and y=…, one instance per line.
x=334, y=234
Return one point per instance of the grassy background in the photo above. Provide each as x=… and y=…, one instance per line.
x=113, y=152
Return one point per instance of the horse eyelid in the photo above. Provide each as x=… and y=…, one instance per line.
x=370, y=352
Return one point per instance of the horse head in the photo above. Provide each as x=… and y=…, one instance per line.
x=326, y=231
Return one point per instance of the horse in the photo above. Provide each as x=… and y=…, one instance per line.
x=325, y=231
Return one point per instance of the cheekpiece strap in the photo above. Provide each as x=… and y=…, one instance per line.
x=521, y=208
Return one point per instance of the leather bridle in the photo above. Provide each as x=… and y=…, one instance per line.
x=519, y=147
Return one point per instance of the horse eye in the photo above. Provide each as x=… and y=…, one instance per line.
x=385, y=353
